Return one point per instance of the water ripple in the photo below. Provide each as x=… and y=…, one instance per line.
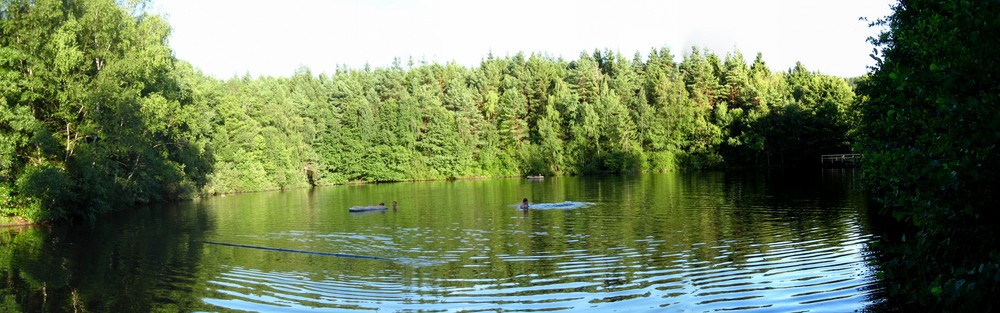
x=734, y=275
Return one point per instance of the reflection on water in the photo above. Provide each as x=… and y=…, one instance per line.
x=774, y=242
x=565, y=205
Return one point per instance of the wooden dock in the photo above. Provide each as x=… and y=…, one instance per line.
x=847, y=159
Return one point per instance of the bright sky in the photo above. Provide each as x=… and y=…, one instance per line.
x=225, y=38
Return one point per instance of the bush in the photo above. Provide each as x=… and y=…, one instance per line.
x=929, y=132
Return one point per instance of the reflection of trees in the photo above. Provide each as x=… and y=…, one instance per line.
x=35, y=279
x=125, y=263
x=745, y=213
x=765, y=208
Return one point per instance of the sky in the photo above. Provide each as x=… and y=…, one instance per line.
x=226, y=38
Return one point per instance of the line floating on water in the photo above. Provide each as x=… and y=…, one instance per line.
x=339, y=255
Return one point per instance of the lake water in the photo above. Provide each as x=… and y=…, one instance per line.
x=676, y=242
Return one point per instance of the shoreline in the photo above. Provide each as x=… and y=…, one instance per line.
x=14, y=221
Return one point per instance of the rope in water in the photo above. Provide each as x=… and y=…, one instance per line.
x=339, y=255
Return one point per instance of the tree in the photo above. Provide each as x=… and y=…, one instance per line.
x=550, y=141
x=618, y=135
x=670, y=121
x=96, y=78
x=928, y=134
x=701, y=71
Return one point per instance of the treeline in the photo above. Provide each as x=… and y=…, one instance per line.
x=96, y=114
x=522, y=114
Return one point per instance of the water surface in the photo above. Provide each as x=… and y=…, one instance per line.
x=685, y=242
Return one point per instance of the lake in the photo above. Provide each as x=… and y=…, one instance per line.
x=674, y=242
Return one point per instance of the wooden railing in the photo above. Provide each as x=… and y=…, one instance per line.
x=850, y=159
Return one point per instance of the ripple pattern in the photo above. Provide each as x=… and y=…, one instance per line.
x=777, y=268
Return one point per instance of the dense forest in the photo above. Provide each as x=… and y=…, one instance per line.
x=96, y=114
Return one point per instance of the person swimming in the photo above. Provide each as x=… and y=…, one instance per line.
x=524, y=204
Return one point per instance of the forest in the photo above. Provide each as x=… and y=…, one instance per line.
x=96, y=114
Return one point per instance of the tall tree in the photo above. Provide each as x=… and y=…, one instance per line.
x=96, y=78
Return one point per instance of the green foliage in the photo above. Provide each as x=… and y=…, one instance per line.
x=97, y=115
x=929, y=131
x=87, y=123
x=791, y=122
x=48, y=188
